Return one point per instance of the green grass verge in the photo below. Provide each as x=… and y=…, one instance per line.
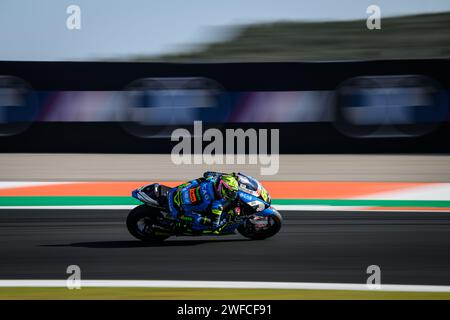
x=208, y=294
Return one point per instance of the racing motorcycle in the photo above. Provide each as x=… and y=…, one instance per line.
x=253, y=216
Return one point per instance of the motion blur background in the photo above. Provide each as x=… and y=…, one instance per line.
x=363, y=118
x=341, y=106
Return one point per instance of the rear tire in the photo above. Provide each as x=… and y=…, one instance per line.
x=140, y=224
x=249, y=231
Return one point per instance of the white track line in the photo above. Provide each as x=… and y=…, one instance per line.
x=224, y=285
x=278, y=207
x=319, y=208
x=26, y=184
x=432, y=192
x=129, y=207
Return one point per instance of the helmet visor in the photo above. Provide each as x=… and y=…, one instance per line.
x=227, y=191
x=229, y=194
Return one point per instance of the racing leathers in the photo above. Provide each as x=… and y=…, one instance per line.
x=198, y=204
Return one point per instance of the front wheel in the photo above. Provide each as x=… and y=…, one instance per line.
x=259, y=228
x=140, y=223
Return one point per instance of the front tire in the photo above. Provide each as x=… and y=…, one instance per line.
x=250, y=230
x=140, y=222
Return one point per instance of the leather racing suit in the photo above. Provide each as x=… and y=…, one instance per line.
x=197, y=203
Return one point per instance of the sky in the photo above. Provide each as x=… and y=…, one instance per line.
x=36, y=29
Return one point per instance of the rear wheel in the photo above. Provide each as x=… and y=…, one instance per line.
x=140, y=223
x=260, y=228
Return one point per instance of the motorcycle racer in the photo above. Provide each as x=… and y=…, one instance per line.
x=215, y=204
x=201, y=202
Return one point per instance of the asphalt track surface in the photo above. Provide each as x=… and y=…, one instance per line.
x=410, y=248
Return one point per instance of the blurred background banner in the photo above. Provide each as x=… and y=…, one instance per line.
x=340, y=107
x=316, y=71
